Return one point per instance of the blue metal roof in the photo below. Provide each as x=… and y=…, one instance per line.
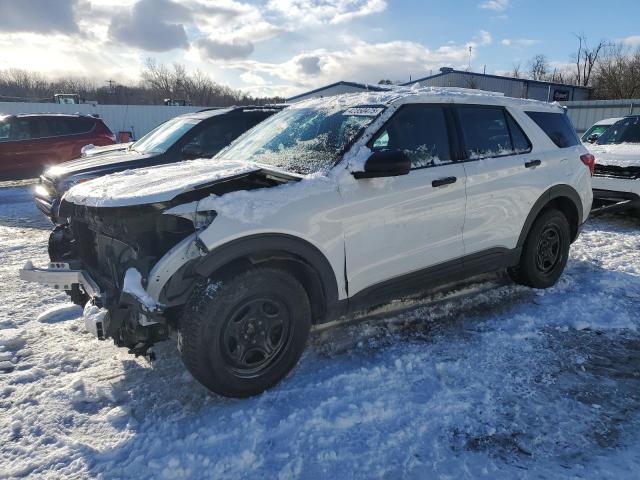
x=500, y=77
x=365, y=86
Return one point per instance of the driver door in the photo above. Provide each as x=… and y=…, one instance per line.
x=396, y=228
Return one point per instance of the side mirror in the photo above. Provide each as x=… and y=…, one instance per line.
x=192, y=151
x=592, y=138
x=385, y=164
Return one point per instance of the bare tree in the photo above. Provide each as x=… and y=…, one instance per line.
x=586, y=58
x=515, y=73
x=539, y=67
x=617, y=74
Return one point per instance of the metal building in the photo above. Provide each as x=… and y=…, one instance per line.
x=511, y=87
x=337, y=89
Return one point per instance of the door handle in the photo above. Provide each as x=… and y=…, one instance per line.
x=532, y=163
x=444, y=181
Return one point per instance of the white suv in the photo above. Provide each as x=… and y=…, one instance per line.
x=330, y=207
x=616, y=183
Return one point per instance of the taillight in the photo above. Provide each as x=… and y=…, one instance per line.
x=590, y=161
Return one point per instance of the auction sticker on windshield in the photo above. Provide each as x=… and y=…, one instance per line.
x=363, y=111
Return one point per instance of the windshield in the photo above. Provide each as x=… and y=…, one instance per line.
x=624, y=131
x=595, y=130
x=303, y=140
x=160, y=139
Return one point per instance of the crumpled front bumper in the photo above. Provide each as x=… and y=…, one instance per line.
x=61, y=276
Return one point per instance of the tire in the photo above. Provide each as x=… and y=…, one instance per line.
x=545, y=251
x=242, y=335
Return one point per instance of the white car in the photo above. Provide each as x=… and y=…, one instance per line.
x=328, y=208
x=597, y=129
x=616, y=183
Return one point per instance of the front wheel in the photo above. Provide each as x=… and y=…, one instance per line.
x=242, y=335
x=545, y=251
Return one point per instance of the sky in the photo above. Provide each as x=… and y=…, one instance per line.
x=285, y=47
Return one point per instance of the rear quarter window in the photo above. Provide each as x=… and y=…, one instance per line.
x=557, y=126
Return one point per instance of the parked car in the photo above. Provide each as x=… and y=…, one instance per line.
x=331, y=207
x=597, y=129
x=28, y=142
x=616, y=184
x=186, y=137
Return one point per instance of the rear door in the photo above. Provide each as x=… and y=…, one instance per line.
x=399, y=226
x=506, y=175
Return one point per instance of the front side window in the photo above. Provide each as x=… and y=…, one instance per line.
x=217, y=134
x=22, y=129
x=623, y=131
x=163, y=137
x=420, y=131
x=558, y=128
x=303, y=139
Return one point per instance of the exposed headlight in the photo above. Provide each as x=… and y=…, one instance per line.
x=67, y=183
x=203, y=219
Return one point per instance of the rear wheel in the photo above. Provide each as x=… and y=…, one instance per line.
x=545, y=251
x=242, y=335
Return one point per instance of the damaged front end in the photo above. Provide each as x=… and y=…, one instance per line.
x=118, y=250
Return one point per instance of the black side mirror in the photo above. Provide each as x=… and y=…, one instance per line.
x=385, y=164
x=192, y=151
x=592, y=138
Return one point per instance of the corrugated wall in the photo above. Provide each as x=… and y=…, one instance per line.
x=139, y=119
x=511, y=87
x=585, y=114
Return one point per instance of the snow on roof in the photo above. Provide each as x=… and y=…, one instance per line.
x=609, y=121
x=415, y=94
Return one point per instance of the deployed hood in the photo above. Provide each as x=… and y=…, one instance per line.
x=157, y=184
x=617, y=155
x=107, y=161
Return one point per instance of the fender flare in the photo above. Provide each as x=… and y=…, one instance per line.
x=272, y=246
x=557, y=191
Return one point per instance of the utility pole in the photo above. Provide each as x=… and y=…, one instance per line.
x=470, y=50
x=112, y=84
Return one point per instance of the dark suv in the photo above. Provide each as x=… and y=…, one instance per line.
x=186, y=137
x=30, y=141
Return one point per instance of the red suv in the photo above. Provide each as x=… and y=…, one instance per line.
x=31, y=141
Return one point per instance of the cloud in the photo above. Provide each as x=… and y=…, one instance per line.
x=325, y=11
x=519, y=42
x=252, y=79
x=38, y=16
x=633, y=41
x=495, y=5
x=214, y=49
x=153, y=25
x=361, y=61
x=485, y=38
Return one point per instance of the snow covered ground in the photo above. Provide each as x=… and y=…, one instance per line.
x=490, y=381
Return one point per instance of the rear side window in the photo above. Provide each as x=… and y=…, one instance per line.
x=557, y=126
x=491, y=132
x=421, y=132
